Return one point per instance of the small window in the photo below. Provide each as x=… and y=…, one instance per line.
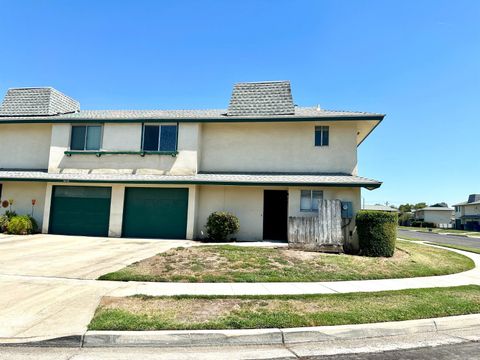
x=159, y=138
x=86, y=137
x=309, y=200
x=321, y=136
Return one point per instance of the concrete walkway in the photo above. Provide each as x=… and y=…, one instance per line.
x=48, y=288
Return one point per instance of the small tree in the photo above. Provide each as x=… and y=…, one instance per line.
x=221, y=224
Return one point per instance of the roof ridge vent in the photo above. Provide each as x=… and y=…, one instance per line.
x=37, y=101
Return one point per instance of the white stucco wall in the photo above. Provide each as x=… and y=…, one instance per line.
x=472, y=209
x=436, y=216
x=278, y=147
x=247, y=204
x=22, y=194
x=24, y=146
x=125, y=137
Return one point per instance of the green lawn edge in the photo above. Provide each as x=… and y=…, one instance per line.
x=456, y=247
x=456, y=263
x=333, y=309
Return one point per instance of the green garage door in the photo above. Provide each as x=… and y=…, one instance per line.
x=155, y=213
x=80, y=210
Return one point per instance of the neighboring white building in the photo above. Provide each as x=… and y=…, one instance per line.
x=380, y=208
x=467, y=214
x=161, y=173
x=440, y=216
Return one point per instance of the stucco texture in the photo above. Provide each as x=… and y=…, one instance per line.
x=277, y=147
x=125, y=137
x=25, y=146
x=22, y=194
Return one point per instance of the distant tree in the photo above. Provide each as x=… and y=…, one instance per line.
x=442, y=204
x=420, y=205
x=405, y=208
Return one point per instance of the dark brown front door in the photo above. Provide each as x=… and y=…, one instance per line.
x=275, y=214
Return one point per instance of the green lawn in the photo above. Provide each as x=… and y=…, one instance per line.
x=228, y=263
x=458, y=247
x=246, y=312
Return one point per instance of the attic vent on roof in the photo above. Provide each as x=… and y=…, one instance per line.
x=37, y=102
x=261, y=98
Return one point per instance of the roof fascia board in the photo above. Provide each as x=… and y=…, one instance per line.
x=193, y=120
x=193, y=182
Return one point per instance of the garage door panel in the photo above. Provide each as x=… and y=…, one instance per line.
x=80, y=211
x=155, y=213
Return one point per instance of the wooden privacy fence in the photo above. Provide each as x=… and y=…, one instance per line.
x=318, y=233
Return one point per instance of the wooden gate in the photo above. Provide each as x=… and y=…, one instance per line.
x=318, y=233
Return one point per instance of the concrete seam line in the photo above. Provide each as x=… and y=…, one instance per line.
x=283, y=336
x=82, y=339
x=435, y=324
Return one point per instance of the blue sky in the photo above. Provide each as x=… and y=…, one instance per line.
x=416, y=61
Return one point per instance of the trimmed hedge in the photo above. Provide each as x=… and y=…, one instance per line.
x=423, y=224
x=21, y=225
x=221, y=224
x=377, y=232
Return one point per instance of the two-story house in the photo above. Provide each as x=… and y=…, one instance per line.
x=467, y=214
x=161, y=173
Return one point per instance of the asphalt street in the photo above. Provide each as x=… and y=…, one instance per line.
x=442, y=239
x=462, y=351
x=470, y=350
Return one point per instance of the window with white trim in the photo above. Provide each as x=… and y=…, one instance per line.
x=309, y=200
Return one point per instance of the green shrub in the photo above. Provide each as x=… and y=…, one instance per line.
x=221, y=224
x=4, y=223
x=9, y=214
x=21, y=225
x=423, y=224
x=377, y=232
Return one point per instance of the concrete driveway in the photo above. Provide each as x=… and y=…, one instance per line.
x=46, y=281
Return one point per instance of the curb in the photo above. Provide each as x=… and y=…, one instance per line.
x=69, y=341
x=186, y=338
x=274, y=336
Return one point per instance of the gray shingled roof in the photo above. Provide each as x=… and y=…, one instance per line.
x=261, y=98
x=467, y=203
x=435, y=208
x=193, y=115
x=380, y=208
x=202, y=178
x=44, y=101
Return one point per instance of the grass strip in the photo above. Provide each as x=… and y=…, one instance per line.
x=249, y=312
x=457, y=247
x=228, y=263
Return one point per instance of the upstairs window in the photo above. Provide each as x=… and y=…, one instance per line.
x=309, y=200
x=159, y=138
x=321, y=135
x=86, y=137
